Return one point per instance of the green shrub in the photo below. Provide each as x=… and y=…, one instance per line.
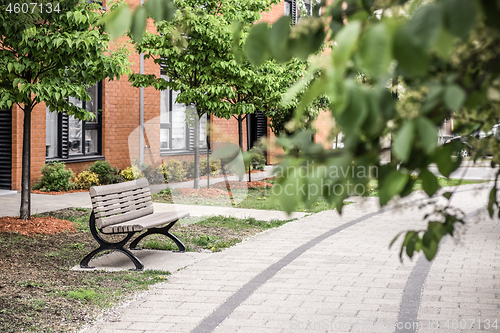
x=154, y=175
x=174, y=171
x=107, y=174
x=215, y=167
x=131, y=173
x=189, y=169
x=86, y=179
x=55, y=177
x=258, y=161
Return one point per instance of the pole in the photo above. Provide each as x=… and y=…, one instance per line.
x=141, y=110
x=208, y=151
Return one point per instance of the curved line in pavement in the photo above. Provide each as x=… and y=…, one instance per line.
x=412, y=293
x=211, y=322
x=225, y=309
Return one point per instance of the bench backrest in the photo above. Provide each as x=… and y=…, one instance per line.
x=121, y=202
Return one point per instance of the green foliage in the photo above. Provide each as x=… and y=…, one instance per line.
x=443, y=59
x=55, y=177
x=174, y=171
x=85, y=179
x=131, y=173
x=107, y=174
x=258, y=158
x=153, y=174
x=189, y=168
x=120, y=19
x=49, y=57
x=215, y=167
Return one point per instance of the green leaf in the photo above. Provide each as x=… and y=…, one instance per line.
x=444, y=43
x=445, y=164
x=431, y=250
x=492, y=201
x=155, y=9
x=454, y=97
x=256, y=46
x=459, y=17
x=447, y=195
x=138, y=24
x=412, y=59
x=429, y=182
x=428, y=133
x=392, y=185
x=118, y=21
x=346, y=40
x=425, y=25
x=289, y=199
x=403, y=141
x=278, y=39
x=10, y=66
x=356, y=111
x=376, y=50
x=311, y=94
x=410, y=241
x=168, y=10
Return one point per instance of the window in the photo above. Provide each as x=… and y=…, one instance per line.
x=176, y=136
x=70, y=138
x=292, y=9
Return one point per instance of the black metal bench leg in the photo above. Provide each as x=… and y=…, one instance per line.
x=104, y=245
x=163, y=231
x=139, y=266
x=85, y=261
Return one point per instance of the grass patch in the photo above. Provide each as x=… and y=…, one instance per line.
x=212, y=233
x=39, y=292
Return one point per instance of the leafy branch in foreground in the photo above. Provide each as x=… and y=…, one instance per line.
x=440, y=59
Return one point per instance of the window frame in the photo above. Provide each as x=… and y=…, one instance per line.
x=189, y=132
x=63, y=139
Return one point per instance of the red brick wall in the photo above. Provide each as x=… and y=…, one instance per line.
x=17, y=146
x=274, y=13
x=323, y=125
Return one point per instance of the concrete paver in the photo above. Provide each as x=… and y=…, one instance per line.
x=350, y=281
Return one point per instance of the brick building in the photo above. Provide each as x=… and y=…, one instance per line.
x=115, y=135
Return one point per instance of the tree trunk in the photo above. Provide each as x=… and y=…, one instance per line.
x=240, y=139
x=25, y=210
x=196, y=152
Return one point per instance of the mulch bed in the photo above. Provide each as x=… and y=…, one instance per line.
x=57, y=193
x=36, y=225
x=202, y=192
x=219, y=189
x=242, y=185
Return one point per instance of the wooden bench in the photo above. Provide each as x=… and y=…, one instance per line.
x=127, y=208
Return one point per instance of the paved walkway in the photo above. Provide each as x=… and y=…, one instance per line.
x=326, y=273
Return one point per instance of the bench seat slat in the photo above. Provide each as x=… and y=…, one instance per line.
x=126, y=216
x=145, y=222
x=118, y=188
x=121, y=211
x=120, y=203
x=99, y=199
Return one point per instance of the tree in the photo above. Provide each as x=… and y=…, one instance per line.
x=445, y=53
x=48, y=57
x=194, y=50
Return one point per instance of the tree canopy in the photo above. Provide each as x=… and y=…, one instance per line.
x=48, y=57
